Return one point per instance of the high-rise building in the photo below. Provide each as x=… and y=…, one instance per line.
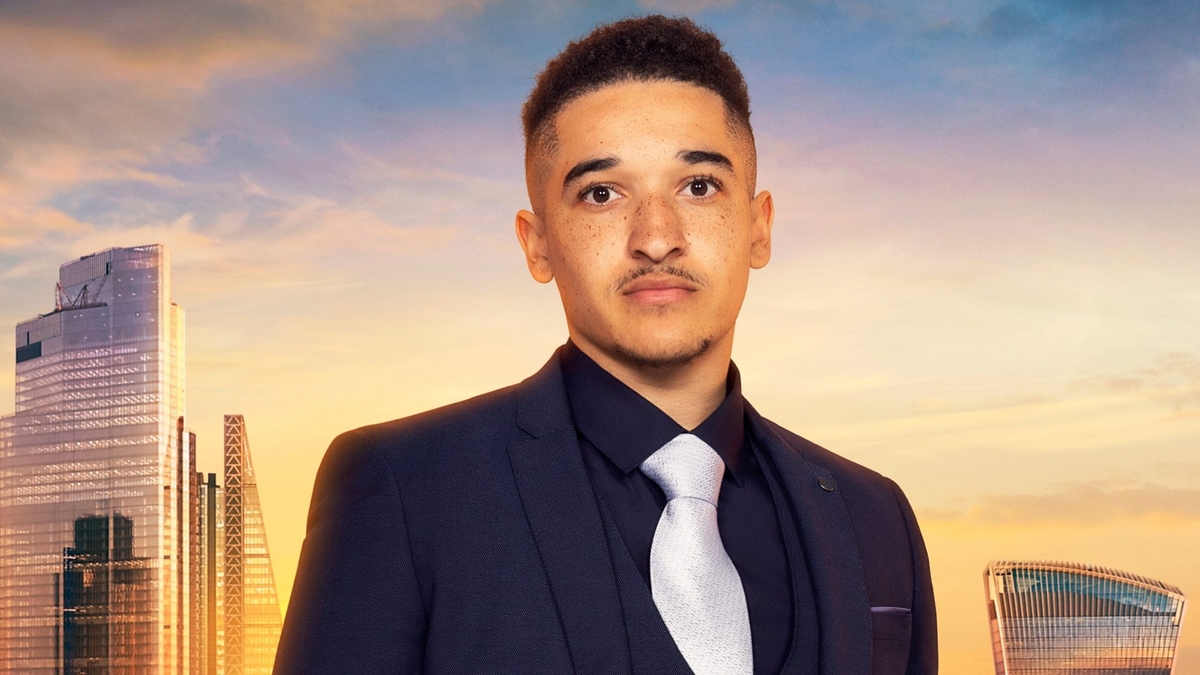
x=1071, y=619
x=252, y=617
x=104, y=587
x=96, y=475
x=116, y=555
x=210, y=626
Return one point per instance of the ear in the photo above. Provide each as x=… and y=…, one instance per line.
x=531, y=232
x=762, y=213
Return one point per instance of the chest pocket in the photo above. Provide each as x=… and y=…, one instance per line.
x=891, y=638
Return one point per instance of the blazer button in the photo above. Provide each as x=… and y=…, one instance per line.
x=826, y=483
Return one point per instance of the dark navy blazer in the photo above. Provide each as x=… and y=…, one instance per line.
x=468, y=539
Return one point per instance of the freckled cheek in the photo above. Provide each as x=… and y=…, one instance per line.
x=721, y=237
x=585, y=247
x=585, y=257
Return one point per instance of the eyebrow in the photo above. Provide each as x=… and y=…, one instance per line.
x=602, y=163
x=705, y=157
x=588, y=166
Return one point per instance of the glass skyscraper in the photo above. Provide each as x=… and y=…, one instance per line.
x=96, y=511
x=117, y=556
x=1057, y=618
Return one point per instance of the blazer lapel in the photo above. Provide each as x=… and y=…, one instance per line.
x=561, y=507
x=652, y=650
x=831, y=550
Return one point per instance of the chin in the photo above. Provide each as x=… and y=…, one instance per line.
x=659, y=355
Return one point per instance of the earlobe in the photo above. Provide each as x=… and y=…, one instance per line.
x=763, y=214
x=531, y=232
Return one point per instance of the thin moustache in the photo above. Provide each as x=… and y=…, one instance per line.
x=663, y=270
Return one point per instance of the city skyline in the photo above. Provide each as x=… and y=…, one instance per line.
x=983, y=282
x=95, y=464
x=115, y=551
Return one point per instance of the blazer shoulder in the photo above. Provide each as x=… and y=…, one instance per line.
x=438, y=435
x=487, y=411
x=869, y=495
x=890, y=546
x=430, y=449
x=839, y=466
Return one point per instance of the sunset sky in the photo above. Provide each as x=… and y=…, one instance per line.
x=985, y=280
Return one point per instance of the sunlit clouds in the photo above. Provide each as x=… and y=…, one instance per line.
x=983, y=280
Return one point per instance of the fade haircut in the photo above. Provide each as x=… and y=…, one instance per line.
x=643, y=49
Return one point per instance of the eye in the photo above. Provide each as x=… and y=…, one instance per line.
x=701, y=186
x=599, y=194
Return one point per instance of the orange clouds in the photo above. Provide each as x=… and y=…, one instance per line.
x=100, y=91
x=1173, y=381
x=1081, y=504
x=215, y=31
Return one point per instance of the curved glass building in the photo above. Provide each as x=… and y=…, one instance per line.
x=1068, y=618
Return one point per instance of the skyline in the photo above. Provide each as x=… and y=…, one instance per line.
x=111, y=540
x=95, y=555
x=982, y=283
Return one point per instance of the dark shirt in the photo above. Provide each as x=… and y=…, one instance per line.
x=618, y=429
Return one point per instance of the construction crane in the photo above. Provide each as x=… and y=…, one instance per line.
x=62, y=300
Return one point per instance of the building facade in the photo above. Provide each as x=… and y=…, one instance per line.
x=93, y=510
x=252, y=617
x=1072, y=619
x=210, y=607
x=117, y=556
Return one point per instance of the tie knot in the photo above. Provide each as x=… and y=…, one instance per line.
x=686, y=467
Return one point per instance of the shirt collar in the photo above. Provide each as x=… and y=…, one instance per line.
x=627, y=428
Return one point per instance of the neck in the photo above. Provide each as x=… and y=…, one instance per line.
x=688, y=393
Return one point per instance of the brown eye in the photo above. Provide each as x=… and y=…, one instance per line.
x=598, y=195
x=701, y=187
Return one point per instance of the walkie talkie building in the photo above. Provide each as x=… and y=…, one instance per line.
x=1059, y=618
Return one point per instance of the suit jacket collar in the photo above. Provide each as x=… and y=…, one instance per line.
x=565, y=520
x=830, y=548
x=627, y=428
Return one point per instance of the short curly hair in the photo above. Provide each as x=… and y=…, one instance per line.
x=641, y=49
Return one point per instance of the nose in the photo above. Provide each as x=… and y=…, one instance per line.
x=657, y=231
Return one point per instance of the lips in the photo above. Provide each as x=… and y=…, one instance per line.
x=658, y=290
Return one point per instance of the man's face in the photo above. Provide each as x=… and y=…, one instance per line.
x=647, y=223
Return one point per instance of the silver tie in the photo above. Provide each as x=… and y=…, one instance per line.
x=696, y=588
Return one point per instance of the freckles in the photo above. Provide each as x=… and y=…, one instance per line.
x=727, y=239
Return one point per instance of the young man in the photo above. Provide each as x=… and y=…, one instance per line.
x=623, y=510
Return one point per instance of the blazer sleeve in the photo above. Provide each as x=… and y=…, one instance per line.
x=356, y=606
x=923, y=651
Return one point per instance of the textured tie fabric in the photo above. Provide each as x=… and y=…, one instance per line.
x=695, y=586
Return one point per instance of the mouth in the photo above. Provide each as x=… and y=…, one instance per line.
x=658, y=289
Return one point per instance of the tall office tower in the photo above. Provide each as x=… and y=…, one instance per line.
x=210, y=627
x=193, y=572
x=186, y=530
x=252, y=618
x=1066, y=618
x=104, y=589
x=93, y=482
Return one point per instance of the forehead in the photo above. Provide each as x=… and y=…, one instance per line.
x=631, y=115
